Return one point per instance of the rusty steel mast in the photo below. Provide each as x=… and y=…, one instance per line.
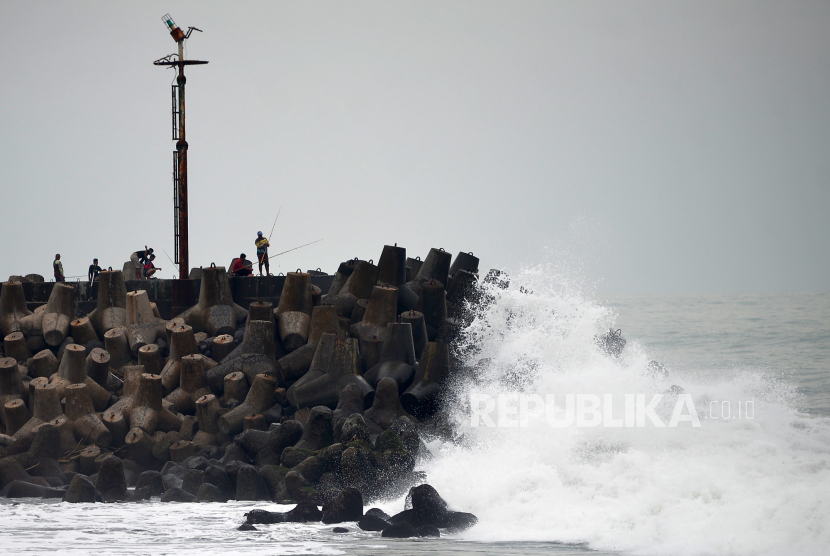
x=180, y=154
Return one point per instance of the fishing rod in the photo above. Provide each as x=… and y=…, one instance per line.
x=262, y=258
x=284, y=252
x=171, y=260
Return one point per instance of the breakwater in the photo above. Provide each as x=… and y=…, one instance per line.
x=253, y=389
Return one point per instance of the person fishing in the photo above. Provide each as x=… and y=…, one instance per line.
x=57, y=267
x=139, y=258
x=262, y=246
x=239, y=268
x=149, y=267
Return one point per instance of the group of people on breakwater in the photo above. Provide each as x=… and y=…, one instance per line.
x=142, y=261
x=315, y=401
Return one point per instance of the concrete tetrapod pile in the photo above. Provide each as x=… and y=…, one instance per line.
x=318, y=400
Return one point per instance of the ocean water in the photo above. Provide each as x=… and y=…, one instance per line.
x=748, y=483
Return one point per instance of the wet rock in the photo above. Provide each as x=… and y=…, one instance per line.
x=246, y=527
x=377, y=512
x=152, y=482
x=292, y=457
x=346, y=506
x=354, y=428
x=217, y=477
x=339, y=530
x=402, y=530
x=210, y=493
x=304, y=512
x=372, y=523
x=177, y=495
x=193, y=479
x=250, y=485
x=288, y=434
x=311, y=468
x=111, y=482
x=428, y=531
x=318, y=431
x=23, y=489
x=264, y=517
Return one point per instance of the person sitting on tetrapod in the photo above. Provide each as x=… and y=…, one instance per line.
x=149, y=267
x=239, y=268
x=262, y=246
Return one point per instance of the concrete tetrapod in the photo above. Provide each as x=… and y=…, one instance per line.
x=386, y=406
x=118, y=346
x=294, y=310
x=82, y=331
x=12, y=307
x=60, y=311
x=216, y=313
x=223, y=345
x=46, y=406
x=343, y=272
x=419, y=330
x=72, y=370
x=150, y=357
x=358, y=286
x=43, y=364
x=80, y=411
x=256, y=356
x=260, y=397
x=420, y=399
x=15, y=346
x=207, y=414
x=182, y=342
x=192, y=386
x=433, y=304
x=397, y=357
x=15, y=415
x=381, y=310
x=143, y=327
x=464, y=261
x=147, y=412
x=436, y=267
x=11, y=386
x=392, y=272
x=110, y=311
x=32, y=325
x=296, y=364
x=342, y=368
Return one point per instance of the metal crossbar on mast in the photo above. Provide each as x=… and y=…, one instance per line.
x=180, y=235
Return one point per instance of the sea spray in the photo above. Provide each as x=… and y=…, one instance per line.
x=738, y=484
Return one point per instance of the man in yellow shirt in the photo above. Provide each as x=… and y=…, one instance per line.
x=262, y=246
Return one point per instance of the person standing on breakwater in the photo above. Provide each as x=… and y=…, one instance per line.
x=139, y=258
x=262, y=246
x=149, y=267
x=94, y=270
x=239, y=268
x=57, y=266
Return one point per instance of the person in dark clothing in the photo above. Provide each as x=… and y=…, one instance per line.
x=139, y=259
x=149, y=267
x=57, y=266
x=239, y=268
x=94, y=271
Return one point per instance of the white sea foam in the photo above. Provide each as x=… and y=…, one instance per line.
x=737, y=486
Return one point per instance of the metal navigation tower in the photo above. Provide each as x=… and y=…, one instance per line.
x=180, y=154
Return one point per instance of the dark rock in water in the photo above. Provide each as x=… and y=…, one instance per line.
x=377, y=512
x=23, y=489
x=111, y=482
x=428, y=531
x=339, y=530
x=372, y=523
x=193, y=479
x=210, y=493
x=264, y=517
x=402, y=530
x=246, y=527
x=611, y=343
x=250, y=485
x=177, y=495
x=426, y=507
x=346, y=506
x=81, y=490
x=317, y=432
x=304, y=512
x=140, y=494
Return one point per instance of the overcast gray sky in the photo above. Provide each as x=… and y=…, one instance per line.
x=649, y=146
